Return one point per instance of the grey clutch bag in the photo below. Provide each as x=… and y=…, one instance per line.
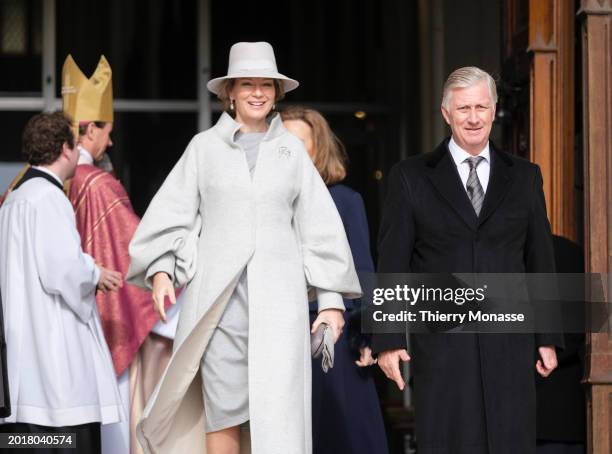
x=322, y=345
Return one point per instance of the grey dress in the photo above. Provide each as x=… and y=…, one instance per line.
x=224, y=365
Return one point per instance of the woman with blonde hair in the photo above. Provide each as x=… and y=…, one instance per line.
x=346, y=414
x=246, y=223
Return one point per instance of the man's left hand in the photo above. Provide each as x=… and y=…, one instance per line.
x=365, y=358
x=548, y=360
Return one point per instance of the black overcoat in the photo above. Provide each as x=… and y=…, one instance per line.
x=473, y=393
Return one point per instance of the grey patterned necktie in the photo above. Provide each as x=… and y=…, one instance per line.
x=473, y=186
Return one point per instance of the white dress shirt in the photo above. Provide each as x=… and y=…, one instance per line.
x=483, y=170
x=85, y=156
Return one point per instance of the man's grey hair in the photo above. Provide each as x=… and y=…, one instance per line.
x=466, y=77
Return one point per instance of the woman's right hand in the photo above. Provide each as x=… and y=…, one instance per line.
x=162, y=287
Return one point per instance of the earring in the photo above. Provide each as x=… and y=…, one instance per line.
x=231, y=104
x=273, y=106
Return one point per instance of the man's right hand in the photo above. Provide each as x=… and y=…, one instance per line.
x=389, y=362
x=162, y=287
x=109, y=280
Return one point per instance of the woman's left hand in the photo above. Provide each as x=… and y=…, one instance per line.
x=334, y=318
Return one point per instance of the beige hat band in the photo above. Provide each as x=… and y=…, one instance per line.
x=264, y=72
x=245, y=65
x=251, y=72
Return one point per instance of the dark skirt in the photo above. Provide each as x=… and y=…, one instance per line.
x=346, y=415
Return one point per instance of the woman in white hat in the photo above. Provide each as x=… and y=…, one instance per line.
x=246, y=223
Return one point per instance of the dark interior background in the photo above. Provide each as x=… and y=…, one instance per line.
x=374, y=68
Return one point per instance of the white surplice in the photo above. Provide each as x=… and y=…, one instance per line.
x=60, y=368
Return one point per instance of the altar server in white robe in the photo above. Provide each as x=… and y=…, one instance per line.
x=60, y=371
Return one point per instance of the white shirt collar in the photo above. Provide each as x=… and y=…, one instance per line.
x=85, y=156
x=48, y=172
x=460, y=155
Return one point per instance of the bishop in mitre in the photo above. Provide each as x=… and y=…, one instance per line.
x=106, y=222
x=61, y=374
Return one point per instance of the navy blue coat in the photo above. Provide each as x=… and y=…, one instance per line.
x=346, y=415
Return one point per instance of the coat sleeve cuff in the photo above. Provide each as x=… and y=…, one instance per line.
x=329, y=300
x=163, y=264
x=383, y=342
x=554, y=339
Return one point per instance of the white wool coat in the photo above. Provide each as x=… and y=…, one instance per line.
x=209, y=221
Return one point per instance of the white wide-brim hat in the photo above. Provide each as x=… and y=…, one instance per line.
x=252, y=60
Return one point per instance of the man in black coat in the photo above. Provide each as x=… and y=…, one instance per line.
x=468, y=208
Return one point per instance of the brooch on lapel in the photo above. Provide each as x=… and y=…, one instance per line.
x=284, y=152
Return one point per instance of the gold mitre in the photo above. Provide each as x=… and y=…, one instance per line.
x=87, y=99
